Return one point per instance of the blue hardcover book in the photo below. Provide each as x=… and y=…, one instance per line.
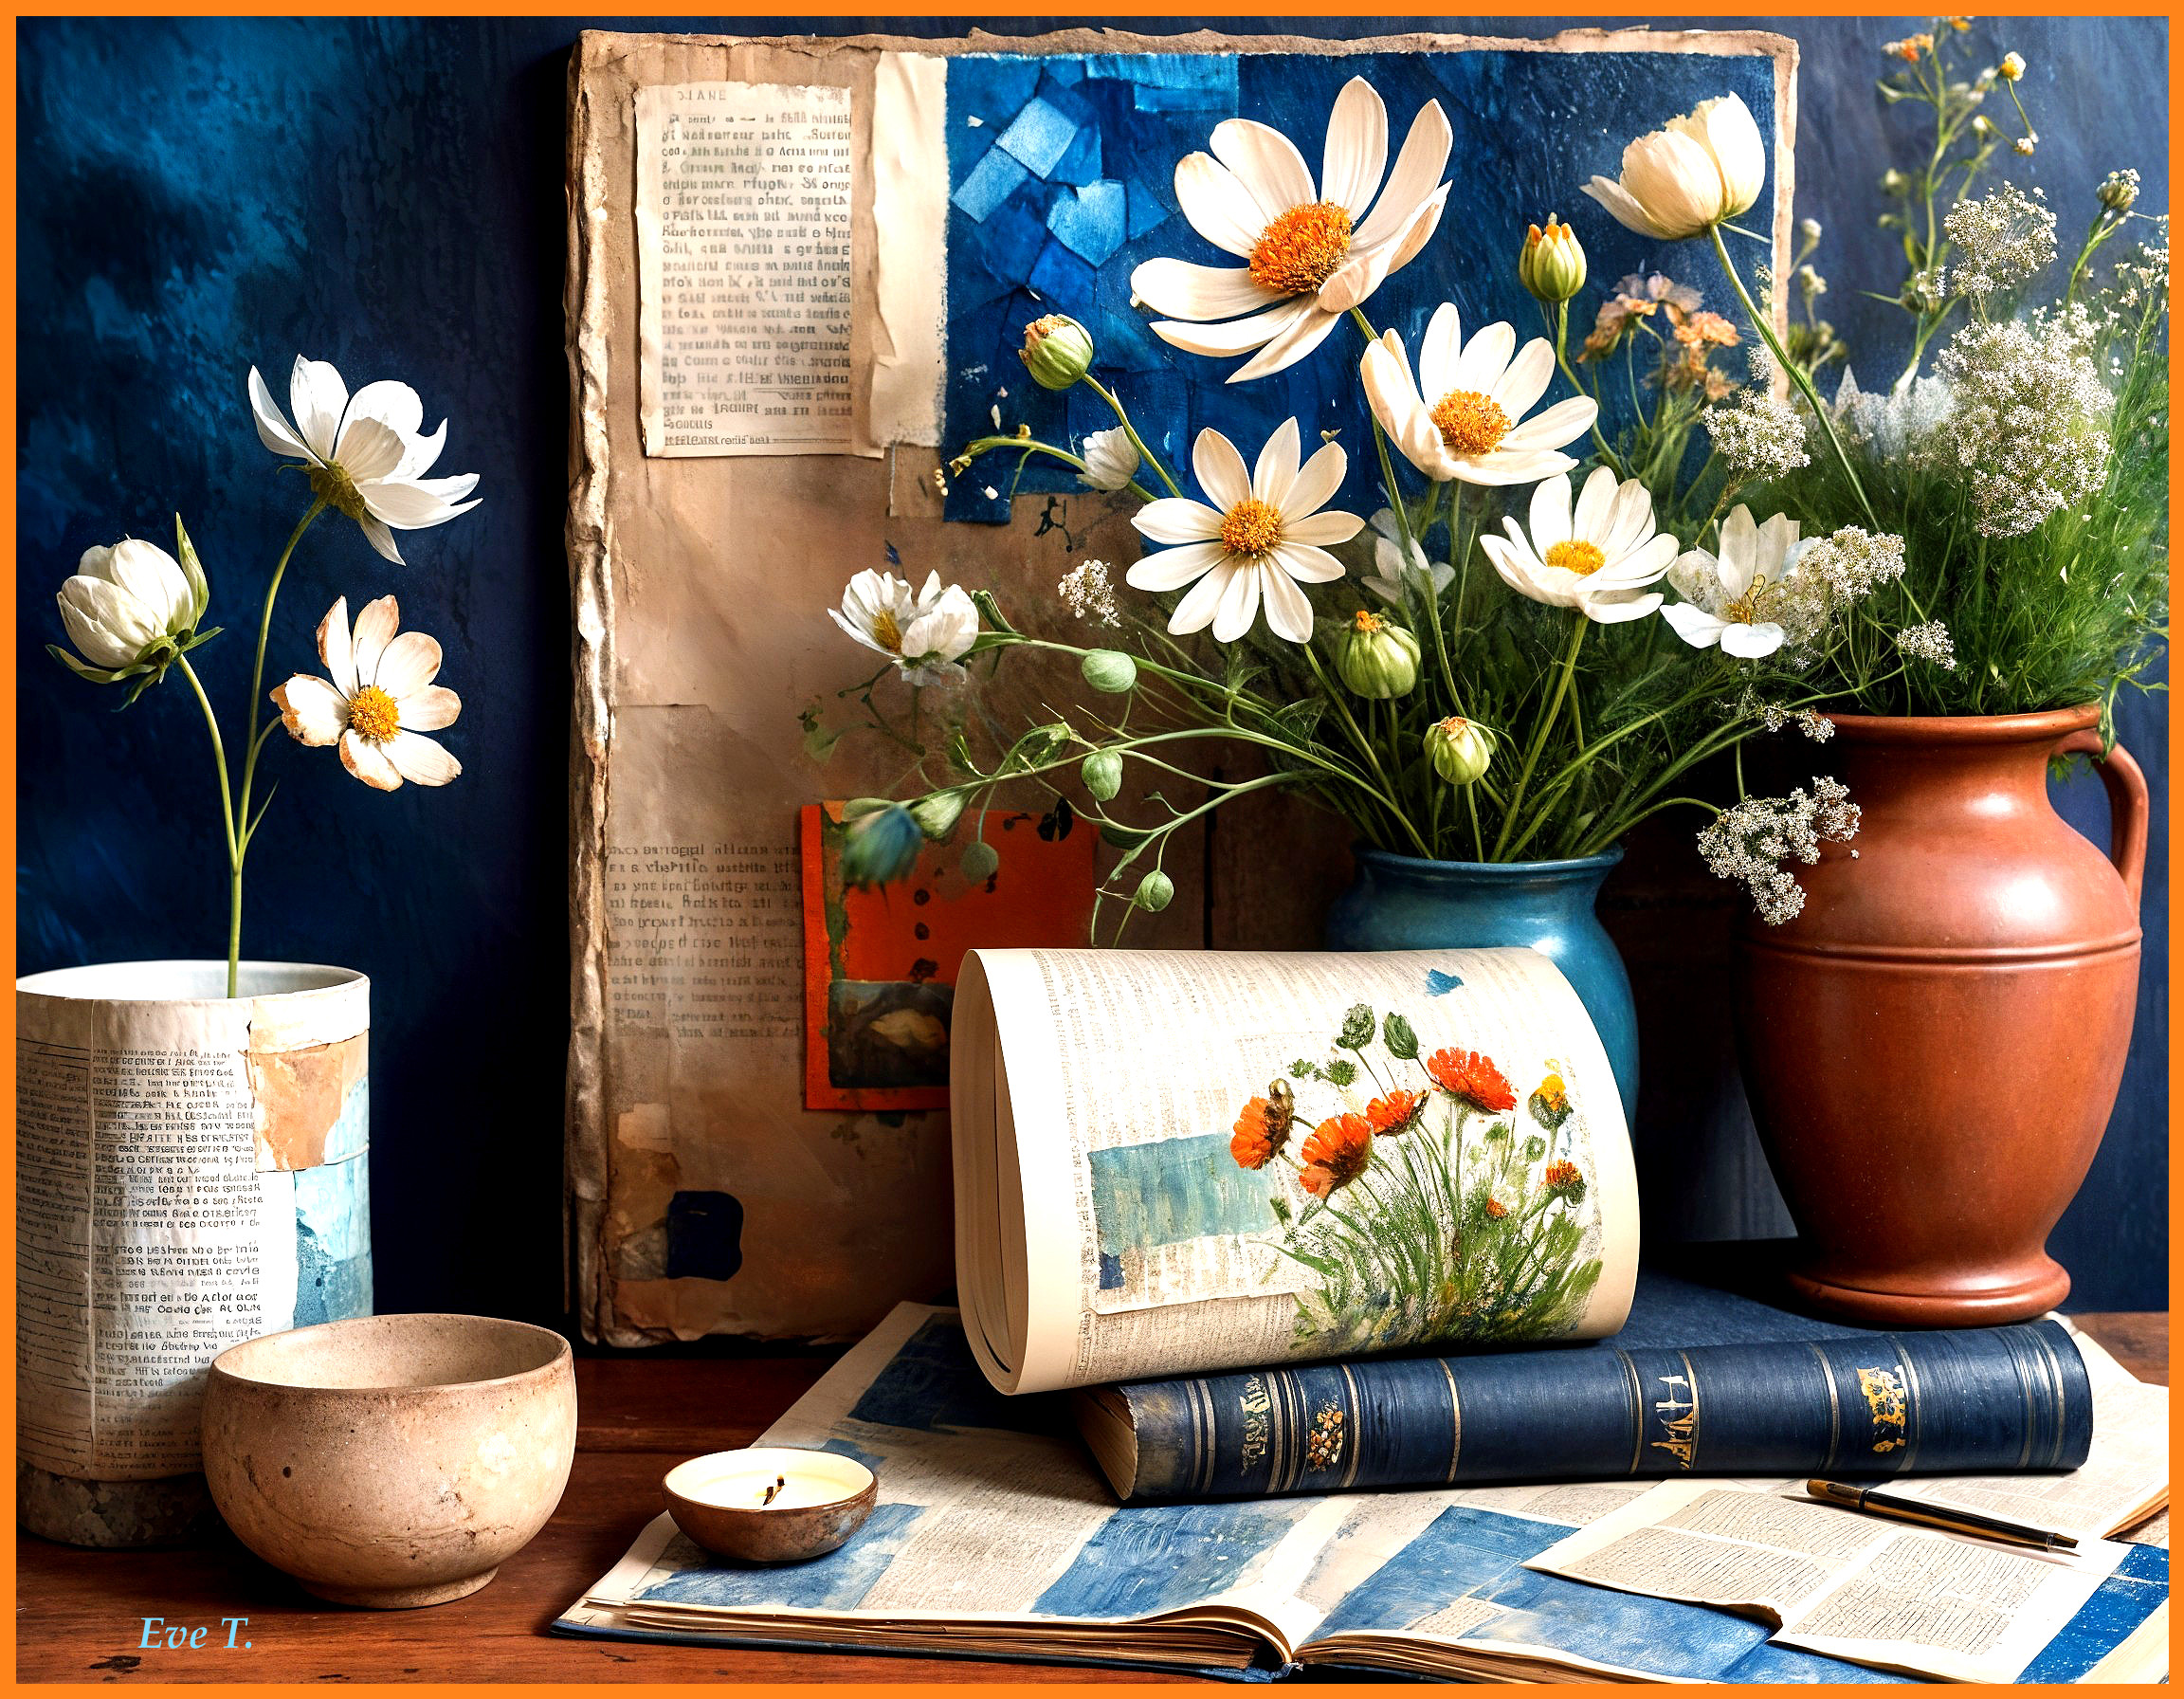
x=1701, y=1381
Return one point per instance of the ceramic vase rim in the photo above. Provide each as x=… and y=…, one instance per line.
x=563, y=1358
x=1368, y=855
x=62, y=982
x=2047, y=726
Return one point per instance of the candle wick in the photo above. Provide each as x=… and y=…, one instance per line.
x=779, y=1482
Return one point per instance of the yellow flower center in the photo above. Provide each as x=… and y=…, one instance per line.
x=1471, y=423
x=1750, y=608
x=886, y=632
x=1369, y=621
x=1584, y=558
x=373, y=714
x=1251, y=528
x=335, y=487
x=1302, y=248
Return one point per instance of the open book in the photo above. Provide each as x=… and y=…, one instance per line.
x=996, y=1537
x=1168, y=1163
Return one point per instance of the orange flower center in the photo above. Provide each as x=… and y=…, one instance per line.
x=373, y=714
x=1369, y=621
x=1251, y=528
x=1471, y=423
x=1302, y=248
x=1583, y=558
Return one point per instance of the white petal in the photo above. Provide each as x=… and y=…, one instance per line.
x=1195, y=613
x=86, y=611
x=1526, y=379
x=335, y=649
x=1368, y=268
x=313, y=712
x=432, y=707
x=1357, y=150
x=1276, y=469
x=410, y=662
x=156, y=579
x=407, y=507
x=1651, y=562
x=1177, y=519
x=273, y=428
x=1500, y=468
x=1199, y=292
x=1697, y=627
x=1170, y=569
x=1595, y=501
x=420, y=760
x=1238, y=336
x=1551, y=512
x=1315, y=485
x=1751, y=642
x=1267, y=164
x=418, y=458
x=1439, y=351
x=1515, y=569
x=1616, y=607
x=1219, y=208
x=1416, y=175
x=1778, y=537
x=380, y=539
x=1292, y=345
x=1622, y=206
x=317, y=397
x=394, y=405
x=1737, y=561
x=447, y=489
x=1559, y=426
x=367, y=761
x=1485, y=356
x=376, y=623
x=368, y=450
x=1630, y=521
x=1307, y=563
x=1239, y=605
x=1289, y=614
x=1220, y=469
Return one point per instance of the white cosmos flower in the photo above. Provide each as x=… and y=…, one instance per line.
x=1110, y=459
x=924, y=632
x=380, y=696
x=1311, y=252
x=1729, y=597
x=1462, y=417
x=1263, y=535
x=123, y=599
x=1706, y=166
x=1598, y=560
x=366, y=452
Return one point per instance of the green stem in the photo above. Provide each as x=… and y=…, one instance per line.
x=1539, y=735
x=1130, y=430
x=987, y=445
x=227, y=823
x=1797, y=375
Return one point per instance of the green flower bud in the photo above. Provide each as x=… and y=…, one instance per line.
x=1376, y=658
x=1111, y=670
x=2118, y=190
x=937, y=814
x=1057, y=351
x=1102, y=772
x=981, y=862
x=1155, y=892
x=882, y=848
x=1895, y=182
x=1552, y=264
x=1460, y=751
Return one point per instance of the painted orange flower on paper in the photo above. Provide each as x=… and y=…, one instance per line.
x=1565, y=1179
x=1473, y=1078
x=1397, y=1112
x=1263, y=1129
x=1336, y=1154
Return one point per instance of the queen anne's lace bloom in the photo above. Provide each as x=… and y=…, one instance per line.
x=2028, y=417
x=1752, y=841
x=1759, y=436
x=1087, y=592
x=2001, y=239
x=1929, y=642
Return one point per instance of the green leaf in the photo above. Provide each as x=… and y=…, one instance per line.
x=97, y=675
x=198, y=639
x=1357, y=1026
x=1340, y=1072
x=192, y=569
x=1397, y=1034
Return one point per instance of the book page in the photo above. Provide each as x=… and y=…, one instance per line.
x=1157, y=1237
x=744, y=210
x=1840, y=1583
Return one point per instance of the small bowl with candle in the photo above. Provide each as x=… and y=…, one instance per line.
x=771, y=1504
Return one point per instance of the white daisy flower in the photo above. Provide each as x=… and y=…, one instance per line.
x=1311, y=252
x=1737, y=598
x=925, y=633
x=1462, y=417
x=1680, y=181
x=1598, y=560
x=366, y=452
x=1264, y=534
x=380, y=698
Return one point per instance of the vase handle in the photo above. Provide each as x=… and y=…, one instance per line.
x=2127, y=809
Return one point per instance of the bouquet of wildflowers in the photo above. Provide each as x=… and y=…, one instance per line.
x=1539, y=632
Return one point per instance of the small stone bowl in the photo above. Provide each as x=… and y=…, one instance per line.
x=718, y=1500
x=391, y=1461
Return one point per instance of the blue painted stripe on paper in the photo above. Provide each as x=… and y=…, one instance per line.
x=333, y=1242
x=2137, y=1588
x=837, y=1581
x=1163, y=1557
x=1174, y=1190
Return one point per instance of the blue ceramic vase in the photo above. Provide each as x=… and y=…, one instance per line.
x=1403, y=903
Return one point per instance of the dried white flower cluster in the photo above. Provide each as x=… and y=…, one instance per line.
x=1759, y=436
x=1088, y=595
x=1851, y=562
x=1895, y=423
x=2001, y=240
x=1752, y=841
x=2145, y=274
x=1929, y=642
x=2030, y=417
x=1775, y=716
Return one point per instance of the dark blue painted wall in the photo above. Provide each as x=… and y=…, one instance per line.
x=197, y=196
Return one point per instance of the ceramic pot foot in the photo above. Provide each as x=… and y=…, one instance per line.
x=401, y=1599
x=1965, y=1301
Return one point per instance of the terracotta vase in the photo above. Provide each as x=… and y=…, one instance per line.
x=1933, y=1047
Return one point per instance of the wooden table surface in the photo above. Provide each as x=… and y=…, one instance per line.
x=79, y=1615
